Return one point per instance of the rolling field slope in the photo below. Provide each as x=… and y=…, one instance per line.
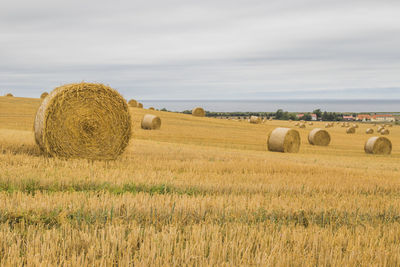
x=200, y=191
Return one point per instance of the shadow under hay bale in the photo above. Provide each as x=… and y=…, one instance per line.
x=151, y=122
x=319, y=137
x=284, y=140
x=378, y=145
x=198, y=112
x=84, y=120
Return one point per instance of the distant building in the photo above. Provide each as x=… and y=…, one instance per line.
x=348, y=118
x=363, y=117
x=383, y=117
x=299, y=116
x=314, y=117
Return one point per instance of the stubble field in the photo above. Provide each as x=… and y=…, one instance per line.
x=200, y=191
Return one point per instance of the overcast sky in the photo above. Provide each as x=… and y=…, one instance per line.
x=206, y=49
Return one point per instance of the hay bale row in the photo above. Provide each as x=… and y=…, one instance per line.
x=284, y=140
x=198, y=112
x=151, y=122
x=83, y=120
x=319, y=137
x=378, y=145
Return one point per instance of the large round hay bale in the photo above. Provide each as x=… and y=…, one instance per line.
x=302, y=125
x=9, y=95
x=133, y=103
x=255, y=119
x=43, y=95
x=198, y=112
x=83, y=120
x=384, y=132
x=369, y=131
x=378, y=145
x=284, y=140
x=140, y=105
x=319, y=137
x=151, y=122
x=351, y=130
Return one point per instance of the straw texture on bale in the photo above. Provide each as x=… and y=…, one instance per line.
x=255, y=119
x=284, y=140
x=198, y=112
x=151, y=122
x=384, y=132
x=369, y=131
x=378, y=145
x=43, y=95
x=83, y=120
x=9, y=95
x=351, y=130
x=319, y=137
x=140, y=105
x=133, y=103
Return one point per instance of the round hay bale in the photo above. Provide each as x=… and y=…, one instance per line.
x=43, y=95
x=296, y=124
x=9, y=95
x=351, y=130
x=343, y=125
x=369, y=131
x=140, y=105
x=270, y=119
x=255, y=119
x=310, y=123
x=380, y=128
x=83, y=120
x=384, y=132
x=133, y=103
x=302, y=125
x=284, y=140
x=378, y=145
x=151, y=122
x=319, y=137
x=355, y=125
x=327, y=125
x=198, y=112
x=151, y=108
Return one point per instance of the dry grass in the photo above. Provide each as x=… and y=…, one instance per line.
x=200, y=191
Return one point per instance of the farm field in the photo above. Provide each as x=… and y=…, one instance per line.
x=199, y=191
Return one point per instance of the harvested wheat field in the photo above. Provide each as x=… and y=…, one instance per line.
x=199, y=191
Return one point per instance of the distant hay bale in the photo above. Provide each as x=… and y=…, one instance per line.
x=255, y=119
x=351, y=130
x=369, y=131
x=284, y=140
x=9, y=95
x=198, y=112
x=133, y=103
x=327, y=125
x=43, y=95
x=354, y=125
x=310, y=123
x=151, y=122
x=140, y=105
x=384, y=132
x=296, y=124
x=380, y=128
x=302, y=125
x=151, y=108
x=343, y=125
x=390, y=125
x=319, y=137
x=83, y=120
x=378, y=145
x=270, y=119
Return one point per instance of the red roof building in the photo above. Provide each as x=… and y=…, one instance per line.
x=363, y=117
x=383, y=117
x=348, y=118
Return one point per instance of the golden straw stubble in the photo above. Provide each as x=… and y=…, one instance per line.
x=284, y=140
x=151, y=122
x=83, y=120
x=378, y=145
x=319, y=137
